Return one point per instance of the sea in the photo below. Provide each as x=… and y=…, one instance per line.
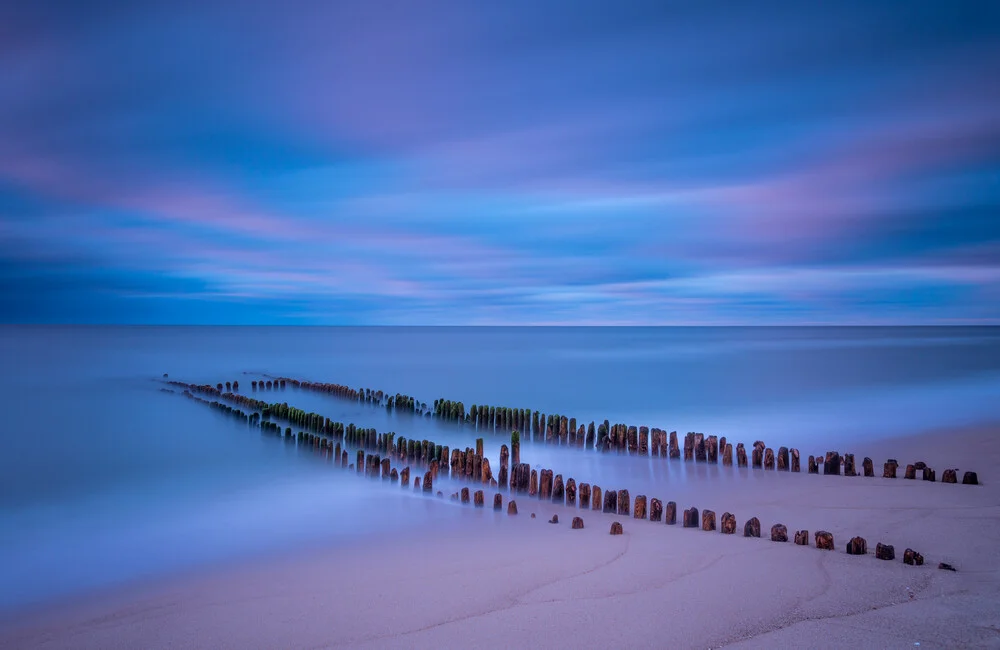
x=107, y=479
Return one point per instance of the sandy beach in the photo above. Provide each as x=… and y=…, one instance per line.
x=493, y=580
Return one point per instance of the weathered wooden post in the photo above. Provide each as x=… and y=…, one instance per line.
x=768, y=458
x=360, y=464
x=929, y=474
x=708, y=520
x=465, y=495
x=386, y=469
x=654, y=442
x=911, y=472
x=728, y=523
x=849, y=469
x=970, y=478
x=643, y=441
x=779, y=533
x=802, y=538
x=675, y=451
x=545, y=484
x=741, y=455
x=479, y=499
x=699, y=447
x=584, y=496
x=512, y=507
x=885, y=551
x=832, y=463
x=558, y=491
x=533, y=484
x=571, y=493
x=611, y=502
x=691, y=518
x=670, y=513
x=577, y=523
x=712, y=449
x=949, y=476
x=757, y=455
x=595, y=498
x=624, y=505
x=824, y=540
x=416, y=484
x=504, y=461
x=857, y=546
x=783, y=459
x=752, y=528
x=795, y=459
x=889, y=469
x=616, y=528
x=485, y=470
x=515, y=447
x=688, y=447
x=655, y=509
x=868, y=467
x=639, y=512
x=912, y=558
x=727, y=455
x=394, y=476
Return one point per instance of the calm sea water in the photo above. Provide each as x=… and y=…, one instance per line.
x=105, y=479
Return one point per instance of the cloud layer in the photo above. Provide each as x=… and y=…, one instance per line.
x=523, y=163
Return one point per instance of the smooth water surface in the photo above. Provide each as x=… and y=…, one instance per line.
x=106, y=478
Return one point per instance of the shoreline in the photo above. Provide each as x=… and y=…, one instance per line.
x=517, y=574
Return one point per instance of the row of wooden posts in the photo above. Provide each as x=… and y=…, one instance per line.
x=472, y=465
x=634, y=440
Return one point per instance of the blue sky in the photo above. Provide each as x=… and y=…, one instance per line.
x=465, y=162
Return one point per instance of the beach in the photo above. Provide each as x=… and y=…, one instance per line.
x=486, y=579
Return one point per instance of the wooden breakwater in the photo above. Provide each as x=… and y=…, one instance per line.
x=621, y=438
x=544, y=484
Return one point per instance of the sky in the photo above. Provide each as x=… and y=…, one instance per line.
x=500, y=163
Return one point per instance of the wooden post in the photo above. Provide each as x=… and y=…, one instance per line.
x=655, y=509
x=577, y=523
x=558, y=491
x=611, y=502
x=889, y=469
x=849, y=469
x=824, y=540
x=675, y=451
x=688, y=447
x=428, y=482
x=533, y=484
x=783, y=459
x=670, y=513
x=571, y=493
x=360, y=464
x=741, y=455
x=728, y=524
x=616, y=528
x=512, y=507
x=624, y=506
x=802, y=538
x=595, y=498
x=769, y=458
x=813, y=465
x=465, y=495
x=708, y=520
x=752, y=528
x=639, y=512
x=545, y=484
x=757, y=456
x=699, y=447
x=970, y=478
x=795, y=459
x=712, y=449
x=928, y=474
x=911, y=472
x=868, y=467
x=479, y=499
x=779, y=533
x=912, y=558
x=394, y=476
x=727, y=455
x=584, y=496
x=885, y=552
x=832, y=463
x=691, y=518
x=857, y=546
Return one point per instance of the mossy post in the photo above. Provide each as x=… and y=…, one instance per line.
x=515, y=447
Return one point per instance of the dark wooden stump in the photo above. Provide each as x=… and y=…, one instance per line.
x=571, y=493
x=779, y=533
x=700, y=454
x=708, y=520
x=824, y=540
x=688, y=447
x=655, y=509
x=857, y=546
x=465, y=495
x=577, y=523
x=428, y=482
x=670, y=513
x=929, y=474
x=889, y=469
x=741, y=455
x=611, y=502
x=479, y=499
x=691, y=518
x=675, y=451
x=795, y=459
x=595, y=498
x=782, y=459
x=849, y=469
x=950, y=476
x=868, y=467
x=616, y=528
x=639, y=511
x=752, y=528
x=832, y=463
x=624, y=505
x=757, y=455
x=813, y=465
x=712, y=449
x=912, y=558
x=512, y=507
x=498, y=501
x=727, y=455
x=802, y=538
x=394, y=476
x=768, y=458
x=970, y=478
x=404, y=477
x=533, y=483
x=885, y=551
x=584, y=496
x=728, y=523
x=911, y=472
x=554, y=520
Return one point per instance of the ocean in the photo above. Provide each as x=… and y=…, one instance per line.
x=106, y=479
